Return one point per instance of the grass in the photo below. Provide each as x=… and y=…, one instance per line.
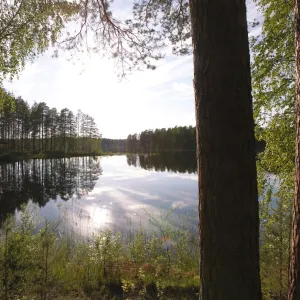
x=43, y=264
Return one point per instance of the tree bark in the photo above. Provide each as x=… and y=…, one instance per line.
x=294, y=276
x=228, y=197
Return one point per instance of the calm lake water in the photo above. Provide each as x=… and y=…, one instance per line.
x=117, y=192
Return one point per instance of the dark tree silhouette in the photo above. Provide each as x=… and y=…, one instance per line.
x=181, y=138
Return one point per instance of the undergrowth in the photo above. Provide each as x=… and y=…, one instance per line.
x=42, y=264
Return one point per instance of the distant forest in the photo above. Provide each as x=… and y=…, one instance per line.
x=178, y=138
x=158, y=140
x=113, y=145
x=37, y=128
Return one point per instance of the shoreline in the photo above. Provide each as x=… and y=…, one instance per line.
x=15, y=156
x=18, y=156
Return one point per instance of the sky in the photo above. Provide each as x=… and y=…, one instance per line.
x=144, y=100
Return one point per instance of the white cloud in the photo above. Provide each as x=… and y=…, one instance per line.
x=182, y=87
x=183, y=176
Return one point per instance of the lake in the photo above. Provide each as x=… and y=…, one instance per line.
x=117, y=192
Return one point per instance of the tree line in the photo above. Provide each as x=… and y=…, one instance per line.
x=113, y=145
x=39, y=128
x=178, y=138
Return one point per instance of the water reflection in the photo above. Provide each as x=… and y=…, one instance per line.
x=117, y=199
x=182, y=162
x=39, y=181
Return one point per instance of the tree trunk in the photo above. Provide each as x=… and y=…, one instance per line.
x=294, y=276
x=228, y=198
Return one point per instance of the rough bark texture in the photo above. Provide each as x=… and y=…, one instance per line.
x=228, y=199
x=294, y=279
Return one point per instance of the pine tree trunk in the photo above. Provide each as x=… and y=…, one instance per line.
x=294, y=276
x=228, y=198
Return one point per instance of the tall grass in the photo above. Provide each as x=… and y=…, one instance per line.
x=41, y=264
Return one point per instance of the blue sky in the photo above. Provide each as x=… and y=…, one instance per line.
x=145, y=100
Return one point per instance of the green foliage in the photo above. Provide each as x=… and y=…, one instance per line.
x=6, y=100
x=27, y=29
x=273, y=81
x=273, y=67
x=275, y=250
x=36, y=263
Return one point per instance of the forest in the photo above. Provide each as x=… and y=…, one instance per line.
x=38, y=129
x=113, y=145
x=181, y=138
x=246, y=81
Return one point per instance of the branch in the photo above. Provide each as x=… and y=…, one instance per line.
x=11, y=20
